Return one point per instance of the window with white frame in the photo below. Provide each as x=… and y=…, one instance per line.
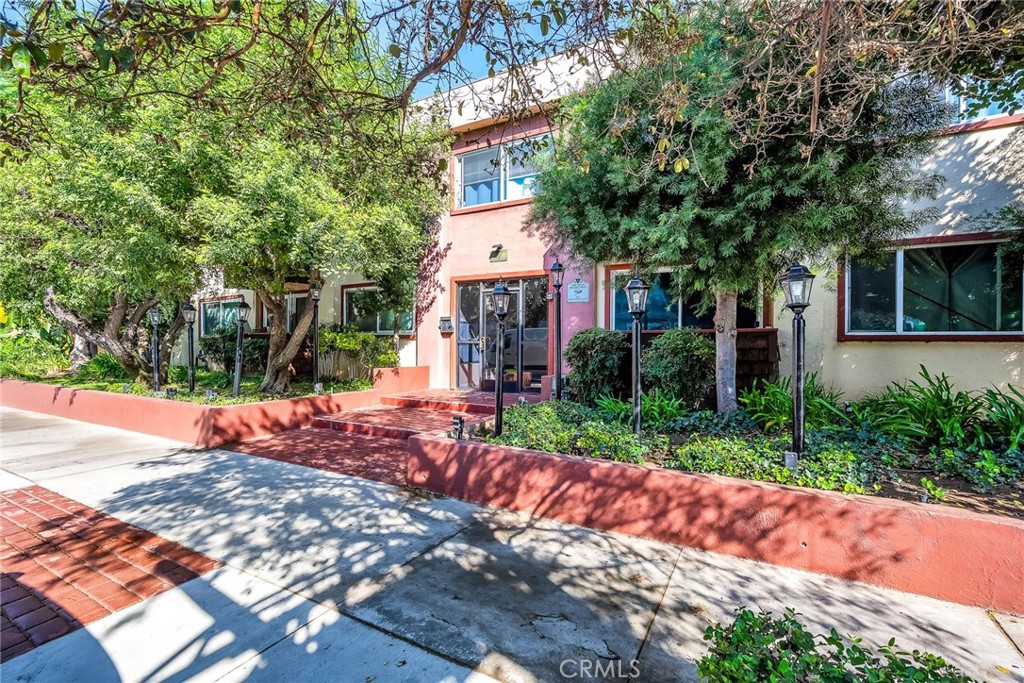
x=358, y=313
x=499, y=173
x=667, y=309
x=960, y=288
x=218, y=315
x=966, y=110
x=293, y=305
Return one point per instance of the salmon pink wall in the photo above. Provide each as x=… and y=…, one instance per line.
x=942, y=552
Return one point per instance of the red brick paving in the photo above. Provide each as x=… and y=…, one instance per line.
x=357, y=455
x=393, y=422
x=64, y=565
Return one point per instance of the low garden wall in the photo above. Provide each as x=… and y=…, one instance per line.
x=955, y=555
x=195, y=423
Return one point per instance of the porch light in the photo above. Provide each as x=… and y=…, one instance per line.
x=636, y=296
x=188, y=311
x=243, y=312
x=796, y=285
x=500, y=298
x=155, y=316
x=314, y=292
x=557, y=274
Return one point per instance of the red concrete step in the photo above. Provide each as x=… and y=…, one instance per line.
x=392, y=422
x=475, y=402
x=357, y=455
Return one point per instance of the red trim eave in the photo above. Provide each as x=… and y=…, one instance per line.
x=984, y=124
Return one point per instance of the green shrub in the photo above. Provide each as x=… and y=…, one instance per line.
x=760, y=459
x=760, y=647
x=681, y=363
x=217, y=352
x=102, y=366
x=1005, y=412
x=573, y=429
x=366, y=349
x=771, y=403
x=31, y=352
x=710, y=423
x=594, y=357
x=657, y=409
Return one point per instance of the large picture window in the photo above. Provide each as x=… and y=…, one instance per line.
x=358, y=314
x=499, y=173
x=958, y=289
x=218, y=315
x=666, y=309
x=293, y=305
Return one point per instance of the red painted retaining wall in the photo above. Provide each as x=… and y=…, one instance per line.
x=955, y=555
x=199, y=424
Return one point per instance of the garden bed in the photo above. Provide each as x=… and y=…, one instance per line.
x=198, y=424
x=932, y=550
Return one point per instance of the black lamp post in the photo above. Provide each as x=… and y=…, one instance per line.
x=189, y=312
x=636, y=298
x=314, y=294
x=155, y=318
x=243, y=315
x=796, y=285
x=500, y=298
x=557, y=274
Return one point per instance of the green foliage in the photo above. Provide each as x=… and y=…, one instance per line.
x=681, y=363
x=30, y=352
x=657, y=409
x=1005, y=412
x=760, y=647
x=760, y=459
x=934, y=491
x=217, y=352
x=594, y=357
x=101, y=367
x=366, y=349
x=771, y=403
x=710, y=423
x=930, y=412
x=573, y=429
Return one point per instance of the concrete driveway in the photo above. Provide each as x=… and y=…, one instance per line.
x=331, y=577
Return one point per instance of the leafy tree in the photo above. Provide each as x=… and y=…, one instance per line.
x=653, y=168
x=92, y=226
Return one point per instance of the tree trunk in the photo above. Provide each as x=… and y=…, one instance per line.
x=119, y=335
x=167, y=343
x=725, y=350
x=81, y=353
x=282, y=350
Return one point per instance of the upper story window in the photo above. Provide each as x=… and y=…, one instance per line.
x=968, y=110
x=666, y=309
x=500, y=173
x=218, y=315
x=356, y=313
x=956, y=289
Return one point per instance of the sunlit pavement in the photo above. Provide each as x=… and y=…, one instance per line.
x=335, y=578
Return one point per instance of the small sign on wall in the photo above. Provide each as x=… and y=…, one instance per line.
x=577, y=292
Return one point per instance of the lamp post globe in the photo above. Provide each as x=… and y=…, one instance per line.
x=636, y=300
x=501, y=296
x=796, y=285
x=243, y=316
x=557, y=277
x=188, y=311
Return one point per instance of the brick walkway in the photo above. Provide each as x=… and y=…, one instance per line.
x=480, y=402
x=357, y=455
x=65, y=565
x=393, y=422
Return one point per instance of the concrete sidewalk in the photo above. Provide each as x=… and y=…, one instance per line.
x=330, y=577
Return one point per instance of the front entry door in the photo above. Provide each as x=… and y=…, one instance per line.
x=526, y=336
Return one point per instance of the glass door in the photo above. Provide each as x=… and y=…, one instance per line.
x=526, y=336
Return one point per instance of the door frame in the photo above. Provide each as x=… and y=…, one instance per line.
x=453, y=307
